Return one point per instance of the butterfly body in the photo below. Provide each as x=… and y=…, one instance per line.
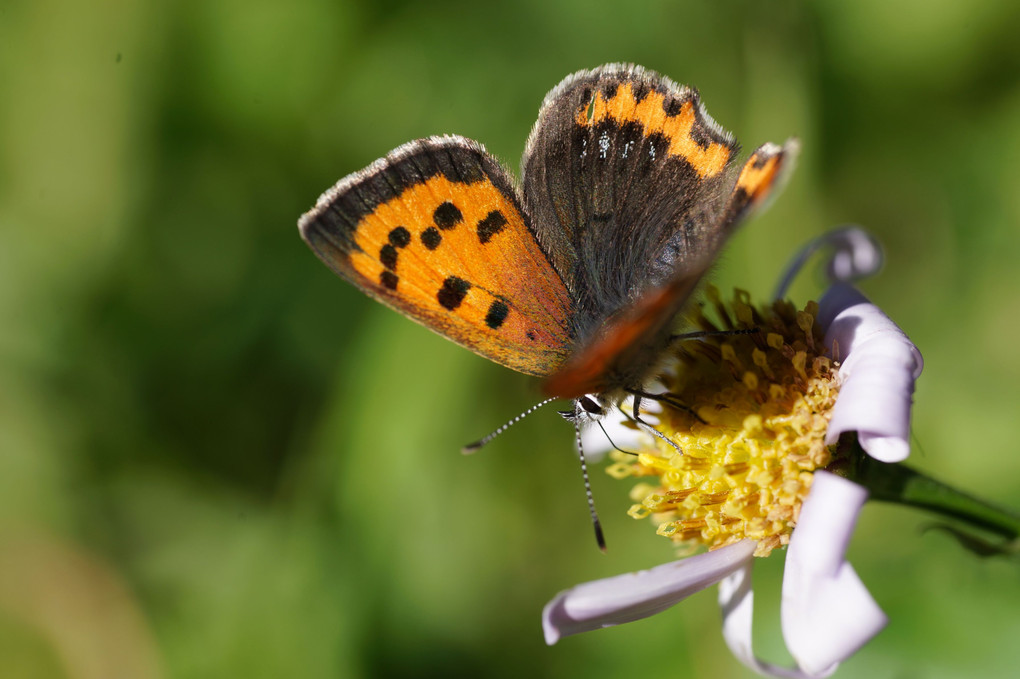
x=628, y=191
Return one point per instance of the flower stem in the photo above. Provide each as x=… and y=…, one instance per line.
x=903, y=485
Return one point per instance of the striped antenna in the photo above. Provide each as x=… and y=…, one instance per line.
x=596, y=524
x=474, y=447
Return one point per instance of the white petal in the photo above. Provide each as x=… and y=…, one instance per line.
x=736, y=599
x=878, y=370
x=885, y=448
x=827, y=612
x=632, y=596
x=851, y=320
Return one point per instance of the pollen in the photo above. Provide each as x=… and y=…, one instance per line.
x=748, y=412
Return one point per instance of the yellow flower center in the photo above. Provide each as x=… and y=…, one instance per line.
x=752, y=431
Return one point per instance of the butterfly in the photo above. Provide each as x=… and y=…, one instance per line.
x=628, y=191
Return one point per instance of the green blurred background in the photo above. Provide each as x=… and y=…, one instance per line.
x=219, y=460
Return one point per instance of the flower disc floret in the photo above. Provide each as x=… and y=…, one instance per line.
x=749, y=412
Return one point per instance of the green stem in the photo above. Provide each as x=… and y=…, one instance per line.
x=903, y=485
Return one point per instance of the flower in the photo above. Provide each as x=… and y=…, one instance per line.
x=757, y=427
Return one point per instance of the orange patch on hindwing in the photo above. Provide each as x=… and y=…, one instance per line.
x=757, y=178
x=651, y=114
x=459, y=257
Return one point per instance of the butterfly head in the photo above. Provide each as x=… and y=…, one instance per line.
x=587, y=409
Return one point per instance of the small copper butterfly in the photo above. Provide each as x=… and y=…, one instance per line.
x=628, y=191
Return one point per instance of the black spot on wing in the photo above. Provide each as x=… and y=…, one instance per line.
x=498, y=311
x=400, y=237
x=389, y=280
x=431, y=238
x=641, y=89
x=700, y=133
x=388, y=257
x=672, y=105
x=493, y=223
x=447, y=216
x=453, y=292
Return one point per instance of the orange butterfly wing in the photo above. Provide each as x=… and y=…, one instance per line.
x=435, y=231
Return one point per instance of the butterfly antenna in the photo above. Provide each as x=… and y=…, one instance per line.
x=474, y=447
x=596, y=524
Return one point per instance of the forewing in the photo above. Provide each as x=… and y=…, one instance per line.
x=436, y=231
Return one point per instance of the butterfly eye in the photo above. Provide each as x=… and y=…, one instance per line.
x=590, y=405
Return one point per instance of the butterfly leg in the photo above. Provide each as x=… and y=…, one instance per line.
x=647, y=426
x=612, y=443
x=669, y=400
x=698, y=334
